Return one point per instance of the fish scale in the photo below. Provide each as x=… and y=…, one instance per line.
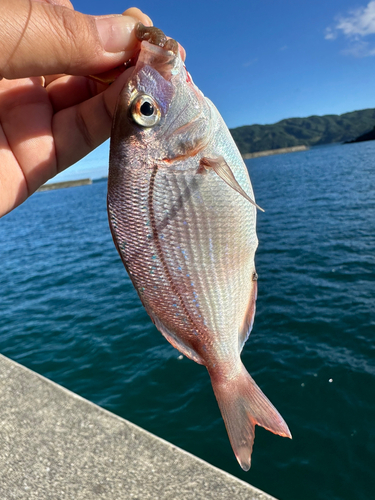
x=193, y=240
x=182, y=215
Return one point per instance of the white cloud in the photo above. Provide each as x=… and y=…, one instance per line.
x=359, y=49
x=249, y=63
x=330, y=34
x=360, y=22
x=357, y=24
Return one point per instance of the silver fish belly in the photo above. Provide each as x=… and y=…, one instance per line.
x=183, y=219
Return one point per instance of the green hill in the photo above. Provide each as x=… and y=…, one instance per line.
x=310, y=131
x=369, y=136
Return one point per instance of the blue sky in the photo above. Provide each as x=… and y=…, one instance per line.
x=261, y=61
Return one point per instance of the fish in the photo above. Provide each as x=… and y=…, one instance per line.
x=182, y=214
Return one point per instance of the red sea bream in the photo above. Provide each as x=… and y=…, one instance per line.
x=183, y=219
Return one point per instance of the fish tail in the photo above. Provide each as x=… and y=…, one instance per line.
x=243, y=405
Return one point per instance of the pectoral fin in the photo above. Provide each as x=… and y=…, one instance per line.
x=223, y=170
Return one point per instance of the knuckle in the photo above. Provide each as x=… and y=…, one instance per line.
x=45, y=35
x=84, y=130
x=77, y=31
x=13, y=31
x=72, y=36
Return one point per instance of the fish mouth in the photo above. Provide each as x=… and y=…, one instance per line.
x=155, y=36
x=147, y=35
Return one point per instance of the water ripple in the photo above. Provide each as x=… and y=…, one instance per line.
x=69, y=311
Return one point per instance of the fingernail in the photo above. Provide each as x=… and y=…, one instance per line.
x=138, y=15
x=149, y=21
x=116, y=33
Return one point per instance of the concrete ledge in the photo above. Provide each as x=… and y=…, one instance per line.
x=55, y=445
x=65, y=184
x=270, y=152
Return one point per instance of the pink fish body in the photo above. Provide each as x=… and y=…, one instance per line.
x=182, y=218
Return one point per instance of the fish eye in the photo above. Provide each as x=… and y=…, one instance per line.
x=145, y=111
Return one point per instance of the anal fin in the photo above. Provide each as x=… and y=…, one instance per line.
x=176, y=342
x=248, y=320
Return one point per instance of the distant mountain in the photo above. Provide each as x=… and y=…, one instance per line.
x=311, y=131
x=369, y=136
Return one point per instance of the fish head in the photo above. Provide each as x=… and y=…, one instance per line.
x=161, y=115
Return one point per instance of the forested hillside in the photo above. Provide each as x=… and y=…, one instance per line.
x=310, y=131
x=369, y=136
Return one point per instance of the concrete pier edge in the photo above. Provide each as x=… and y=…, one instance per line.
x=55, y=445
x=271, y=152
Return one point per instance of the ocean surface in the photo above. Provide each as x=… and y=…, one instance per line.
x=68, y=311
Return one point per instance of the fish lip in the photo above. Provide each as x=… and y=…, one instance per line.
x=164, y=61
x=155, y=48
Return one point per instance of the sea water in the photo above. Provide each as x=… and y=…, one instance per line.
x=69, y=311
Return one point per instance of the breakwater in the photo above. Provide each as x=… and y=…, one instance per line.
x=270, y=152
x=66, y=184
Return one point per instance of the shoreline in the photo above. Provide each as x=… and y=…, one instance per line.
x=87, y=181
x=64, y=184
x=270, y=152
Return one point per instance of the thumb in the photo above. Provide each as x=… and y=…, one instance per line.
x=41, y=38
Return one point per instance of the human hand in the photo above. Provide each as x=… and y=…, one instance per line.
x=51, y=114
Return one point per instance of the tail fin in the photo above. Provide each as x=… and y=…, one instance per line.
x=243, y=405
